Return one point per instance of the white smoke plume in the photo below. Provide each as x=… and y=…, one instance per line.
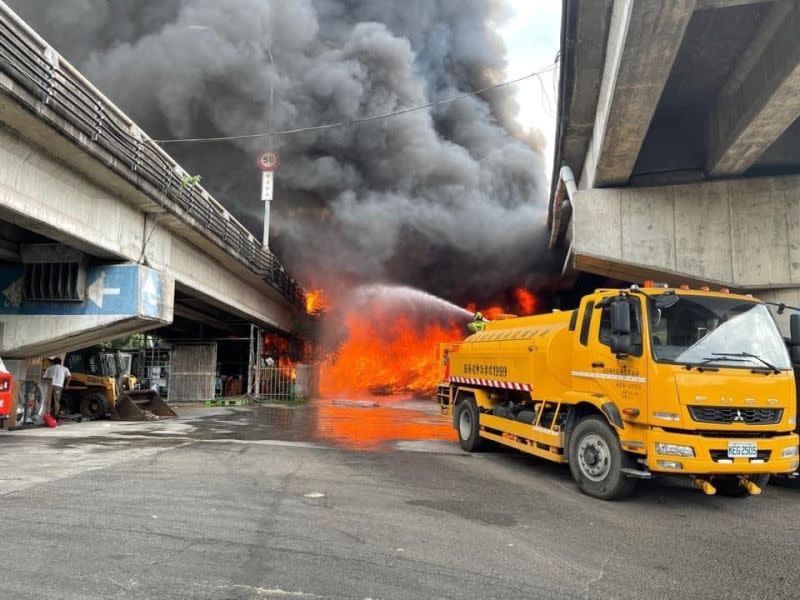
x=451, y=199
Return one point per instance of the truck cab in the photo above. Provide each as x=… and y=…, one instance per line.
x=702, y=379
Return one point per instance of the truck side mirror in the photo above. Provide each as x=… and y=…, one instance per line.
x=620, y=318
x=794, y=338
x=621, y=344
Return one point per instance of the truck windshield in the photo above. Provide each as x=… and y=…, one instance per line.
x=695, y=330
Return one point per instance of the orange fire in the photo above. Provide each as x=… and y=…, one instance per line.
x=490, y=312
x=386, y=356
x=386, y=352
x=287, y=367
x=316, y=301
x=525, y=304
x=277, y=348
x=525, y=300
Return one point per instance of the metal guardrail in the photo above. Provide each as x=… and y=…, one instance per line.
x=32, y=64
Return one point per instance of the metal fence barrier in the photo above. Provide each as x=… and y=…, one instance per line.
x=283, y=384
x=106, y=132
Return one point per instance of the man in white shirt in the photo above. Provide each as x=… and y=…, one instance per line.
x=59, y=377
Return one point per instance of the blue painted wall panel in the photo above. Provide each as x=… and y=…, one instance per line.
x=126, y=289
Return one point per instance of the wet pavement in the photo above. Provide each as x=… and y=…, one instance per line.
x=368, y=498
x=375, y=424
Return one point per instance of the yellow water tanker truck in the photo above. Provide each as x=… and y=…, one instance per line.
x=632, y=383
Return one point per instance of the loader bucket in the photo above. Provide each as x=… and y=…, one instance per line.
x=142, y=405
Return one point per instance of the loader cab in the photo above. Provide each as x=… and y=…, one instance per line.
x=87, y=362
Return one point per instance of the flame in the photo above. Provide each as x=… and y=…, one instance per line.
x=493, y=312
x=387, y=356
x=525, y=300
x=386, y=351
x=287, y=367
x=490, y=312
x=525, y=304
x=316, y=301
x=277, y=348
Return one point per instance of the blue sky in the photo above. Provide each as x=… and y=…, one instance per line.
x=532, y=36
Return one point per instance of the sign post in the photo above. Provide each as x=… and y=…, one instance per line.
x=267, y=162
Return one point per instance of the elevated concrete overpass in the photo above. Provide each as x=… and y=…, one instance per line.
x=679, y=121
x=77, y=175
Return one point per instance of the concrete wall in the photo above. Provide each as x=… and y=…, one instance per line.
x=742, y=233
x=789, y=296
x=40, y=193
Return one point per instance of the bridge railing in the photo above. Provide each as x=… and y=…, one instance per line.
x=101, y=127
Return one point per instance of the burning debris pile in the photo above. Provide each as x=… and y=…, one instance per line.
x=383, y=339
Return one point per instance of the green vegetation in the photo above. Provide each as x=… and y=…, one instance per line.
x=190, y=181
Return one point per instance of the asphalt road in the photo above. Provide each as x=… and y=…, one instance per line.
x=351, y=500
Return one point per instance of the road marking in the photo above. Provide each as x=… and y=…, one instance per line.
x=273, y=592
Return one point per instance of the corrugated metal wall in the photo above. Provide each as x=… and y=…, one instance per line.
x=192, y=372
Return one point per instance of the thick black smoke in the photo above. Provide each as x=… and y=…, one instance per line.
x=450, y=199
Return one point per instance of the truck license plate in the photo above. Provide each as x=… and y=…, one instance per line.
x=742, y=450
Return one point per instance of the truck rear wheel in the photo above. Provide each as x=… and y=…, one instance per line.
x=468, y=425
x=730, y=486
x=596, y=460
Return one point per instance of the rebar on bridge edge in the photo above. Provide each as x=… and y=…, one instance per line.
x=138, y=159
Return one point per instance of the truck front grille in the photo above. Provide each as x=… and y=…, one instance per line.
x=728, y=415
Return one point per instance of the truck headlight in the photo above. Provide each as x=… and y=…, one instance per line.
x=792, y=420
x=789, y=452
x=667, y=416
x=674, y=450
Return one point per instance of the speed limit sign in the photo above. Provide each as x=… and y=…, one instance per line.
x=267, y=161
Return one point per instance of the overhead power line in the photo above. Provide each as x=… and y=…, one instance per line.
x=402, y=111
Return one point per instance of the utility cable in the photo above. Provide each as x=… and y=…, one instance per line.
x=147, y=236
x=395, y=113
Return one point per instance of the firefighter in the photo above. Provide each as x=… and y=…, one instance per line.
x=478, y=323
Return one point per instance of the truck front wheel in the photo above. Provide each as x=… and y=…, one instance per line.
x=596, y=460
x=468, y=425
